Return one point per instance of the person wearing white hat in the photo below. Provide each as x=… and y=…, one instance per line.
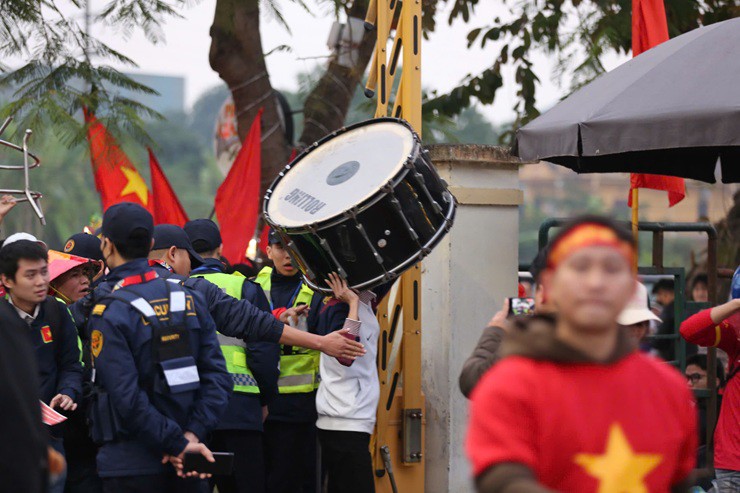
x=23, y=236
x=636, y=316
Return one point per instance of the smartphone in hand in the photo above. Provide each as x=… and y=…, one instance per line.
x=521, y=306
x=197, y=462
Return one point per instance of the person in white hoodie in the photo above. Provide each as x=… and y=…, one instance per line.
x=348, y=396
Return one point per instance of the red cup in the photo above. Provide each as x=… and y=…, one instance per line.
x=353, y=335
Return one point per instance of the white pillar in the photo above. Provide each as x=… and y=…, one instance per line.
x=464, y=282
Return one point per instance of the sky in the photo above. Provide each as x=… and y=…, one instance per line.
x=445, y=58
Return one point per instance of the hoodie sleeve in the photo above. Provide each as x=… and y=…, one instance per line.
x=69, y=381
x=484, y=356
x=237, y=318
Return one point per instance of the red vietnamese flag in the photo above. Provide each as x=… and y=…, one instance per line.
x=237, y=199
x=116, y=179
x=650, y=28
x=166, y=208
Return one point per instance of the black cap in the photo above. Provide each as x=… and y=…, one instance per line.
x=169, y=235
x=84, y=245
x=274, y=237
x=204, y=235
x=122, y=219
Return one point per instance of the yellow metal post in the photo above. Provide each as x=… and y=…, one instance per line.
x=399, y=433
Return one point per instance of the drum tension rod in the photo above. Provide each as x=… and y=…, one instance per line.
x=352, y=213
x=325, y=245
x=294, y=249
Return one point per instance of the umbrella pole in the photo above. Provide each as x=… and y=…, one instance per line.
x=636, y=221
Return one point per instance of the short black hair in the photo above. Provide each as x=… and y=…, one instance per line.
x=664, y=285
x=701, y=278
x=621, y=231
x=137, y=245
x=702, y=362
x=12, y=254
x=538, y=264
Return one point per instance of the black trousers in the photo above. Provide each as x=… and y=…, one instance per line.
x=345, y=456
x=290, y=453
x=154, y=483
x=249, y=463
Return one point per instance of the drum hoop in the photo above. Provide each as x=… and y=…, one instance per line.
x=449, y=219
x=341, y=216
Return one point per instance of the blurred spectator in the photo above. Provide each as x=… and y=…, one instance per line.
x=719, y=327
x=664, y=293
x=636, y=317
x=247, y=270
x=700, y=288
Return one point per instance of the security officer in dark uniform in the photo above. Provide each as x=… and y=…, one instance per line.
x=253, y=367
x=160, y=379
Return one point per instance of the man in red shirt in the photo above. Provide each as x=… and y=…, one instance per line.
x=720, y=327
x=573, y=407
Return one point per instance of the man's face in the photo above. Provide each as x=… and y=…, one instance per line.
x=31, y=282
x=74, y=285
x=591, y=287
x=281, y=258
x=637, y=332
x=700, y=292
x=664, y=296
x=696, y=377
x=179, y=260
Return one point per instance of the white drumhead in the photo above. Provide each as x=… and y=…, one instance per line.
x=340, y=174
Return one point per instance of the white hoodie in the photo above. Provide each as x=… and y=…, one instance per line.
x=347, y=399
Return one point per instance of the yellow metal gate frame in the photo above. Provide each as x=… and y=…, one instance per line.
x=399, y=432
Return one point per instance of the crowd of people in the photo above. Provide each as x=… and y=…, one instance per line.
x=160, y=370
x=570, y=399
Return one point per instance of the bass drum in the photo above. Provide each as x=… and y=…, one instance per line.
x=365, y=202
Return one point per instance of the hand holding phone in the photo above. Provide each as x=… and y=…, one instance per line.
x=195, y=462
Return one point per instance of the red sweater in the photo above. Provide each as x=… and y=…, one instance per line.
x=699, y=329
x=627, y=426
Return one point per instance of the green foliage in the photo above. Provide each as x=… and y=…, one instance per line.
x=578, y=32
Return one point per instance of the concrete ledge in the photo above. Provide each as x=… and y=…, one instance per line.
x=494, y=156
x=488, y=196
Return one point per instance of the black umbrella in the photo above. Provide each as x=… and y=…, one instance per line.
x=674, y=110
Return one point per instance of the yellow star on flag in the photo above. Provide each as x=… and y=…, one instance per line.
x=135, y=185
x=619, y=469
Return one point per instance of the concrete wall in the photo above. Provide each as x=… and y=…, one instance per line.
x=464, y=282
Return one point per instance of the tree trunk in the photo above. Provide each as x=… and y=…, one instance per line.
x=236, y=54
x=326, y=106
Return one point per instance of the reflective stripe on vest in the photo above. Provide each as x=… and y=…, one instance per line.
x=233, y=349
x=299, y=372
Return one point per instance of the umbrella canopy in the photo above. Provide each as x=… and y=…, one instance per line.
x=673, y=110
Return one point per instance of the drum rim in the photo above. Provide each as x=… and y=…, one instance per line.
x=362, y=206
x=403, y=266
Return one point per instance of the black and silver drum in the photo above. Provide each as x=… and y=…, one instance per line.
x=364, y=202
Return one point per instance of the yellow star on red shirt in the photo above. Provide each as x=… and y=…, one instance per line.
x=135, y=185
x=619, y=469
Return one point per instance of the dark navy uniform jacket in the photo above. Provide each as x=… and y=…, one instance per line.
x=301, y=408
x=244, y=411
x=59, y=364
x=153, y=418
x=234, y=318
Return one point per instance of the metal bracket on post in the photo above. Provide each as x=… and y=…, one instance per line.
x=412, y=431
x=26, y=194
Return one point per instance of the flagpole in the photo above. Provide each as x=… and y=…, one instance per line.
x=635, y=222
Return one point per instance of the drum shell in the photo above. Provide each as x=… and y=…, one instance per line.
x=398, y=225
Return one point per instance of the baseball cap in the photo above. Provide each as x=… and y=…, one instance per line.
x=23, y=236
x=274, y=237
x=205, y=232
x=122, y=219
x=638, y=309
x=169, y=235
x=84, y=245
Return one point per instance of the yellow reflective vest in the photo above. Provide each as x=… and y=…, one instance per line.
x=233, y=349
x=299, y=371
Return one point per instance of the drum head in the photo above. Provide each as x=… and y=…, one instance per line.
x=340, y=174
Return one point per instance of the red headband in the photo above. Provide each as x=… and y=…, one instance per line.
x=588, y=235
